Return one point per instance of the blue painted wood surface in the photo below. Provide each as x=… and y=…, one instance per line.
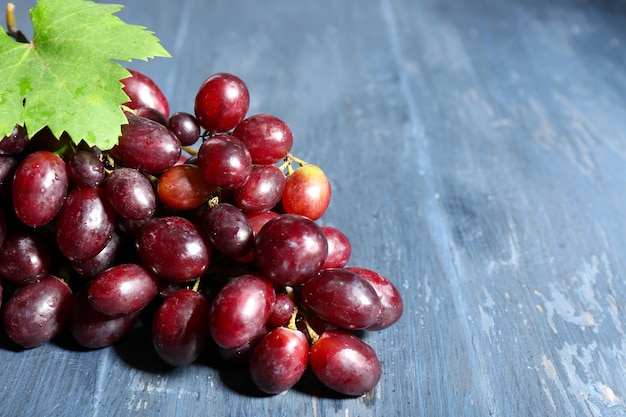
x=477, y=153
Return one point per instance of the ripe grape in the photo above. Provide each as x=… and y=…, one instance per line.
x=173, y=248
x=290, y=249
x=228, y=230
x=342, y=298
x=339, y=248
x=37, y=312
x=262, y=191
x=8, y=166
x=224, y=161
x=307, y=192
x=239, y=311
x=91, y=267
x=130, y=193
x=85, y=169
x=84, y=224
x=185, y=126
x=268, y=138
x=122, y=289
x=390, y=299
x=146, y=145
x=222, y=102
x=24, y=256
x=282, y=310
x=39, y=187
x=16, y=142
x=144, y=92
x=180, y=327
x=152, y=114
x=182, y=187
x=279, y=360
x=345, y=363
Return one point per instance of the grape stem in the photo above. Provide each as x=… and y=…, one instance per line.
x=12, y=29
x=288, y=164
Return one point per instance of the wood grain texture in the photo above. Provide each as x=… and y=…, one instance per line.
x=477, y=153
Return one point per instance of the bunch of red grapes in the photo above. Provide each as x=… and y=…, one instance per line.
x=208, y=219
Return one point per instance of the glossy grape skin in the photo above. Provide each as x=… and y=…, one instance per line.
x=290, y=249
x=144, y=92
x=146, y=145
x=262, y=191
x=182, y=187
x=152, y=114
x=267, y=137
x=279, y=360
x=173, y=248
x=84, y=224
x=390, y=299
x=221, y=102
x=257, y=221
x=307, y=192
x=16, y=142
x=339, y=248
x=185, y=126
x=91, y=267
x=239, y=311
x=224, y=161
x=342, y=298
x=228, y=230
x=345, y=363
x=180, y=327
x=39, y=187
x=122, y=289
x=37, y=312
x=282, y=310
x=130, y=194
x=8, y=166
x=95, y=330
x=85, y=169
x=24, y=257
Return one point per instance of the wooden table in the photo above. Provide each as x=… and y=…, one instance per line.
x=477, y=153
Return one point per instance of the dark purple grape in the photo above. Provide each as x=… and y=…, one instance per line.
x=146, y=145
x=85, y=223
x=3, y=226
x=24, y=257
x=85, y=169
x=173, y=248
x=262, y=191
x=268, y=138
x=390, y=299
x=91, y=267
x=152, y=114
x=239, y=311
x=279, y=360
x=282, y=310
x=91, y=328
x=39, y=187
x=345, y=363
x=8, y=166
x=16, y=142
x=144, y=92
x=224, y=161
x=222, y=102
x=186, y=128
x=228, y=230
x=37, y=312
x=130, y=193
x=180, y=327
x=342, y=298
x=122, y=289
x=290, y=249
x=339, y=248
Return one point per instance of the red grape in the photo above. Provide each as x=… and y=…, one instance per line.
x=180, y=327
x=307, y=192
x=222, y=102
x=130, y=193
x=224, y=161
x=37, y=312
x=39, y=187
x=182, y=187
x=279, y=360
x=85, y=169
x=24, y=257
x=228, y=230
x=103, y=260
x=16, y=142
x=390, y=299
x=8, y=166
x=268, y=138
x=144, y=92
x=339, y=248
x=185, y=127
x=282, y=310
x=152, y=114
x=345, y=363
x=290, y=249
x=173, y=248
x=262, y=191
x=239, y=311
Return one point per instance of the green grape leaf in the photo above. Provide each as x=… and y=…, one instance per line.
x=66, y=78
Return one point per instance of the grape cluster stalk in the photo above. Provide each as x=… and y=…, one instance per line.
x=205, y=220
